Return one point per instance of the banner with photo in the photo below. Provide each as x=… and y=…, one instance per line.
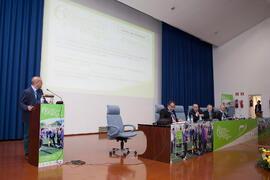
x=227, y=99
x=227, y=133
x=51, y=134
x=190, y=140
x=264, y=130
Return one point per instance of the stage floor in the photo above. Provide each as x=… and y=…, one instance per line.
x=237, y=162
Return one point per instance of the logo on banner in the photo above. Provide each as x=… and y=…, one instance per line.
x=223, y=133
x=242, y=129
x=50, y=111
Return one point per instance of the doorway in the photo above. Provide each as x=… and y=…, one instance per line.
x=253, y=99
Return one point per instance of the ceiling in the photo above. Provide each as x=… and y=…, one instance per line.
x=214, y=21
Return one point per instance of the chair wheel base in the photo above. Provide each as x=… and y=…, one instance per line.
x=121, y=152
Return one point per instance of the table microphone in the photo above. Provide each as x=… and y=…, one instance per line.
x=57, y=102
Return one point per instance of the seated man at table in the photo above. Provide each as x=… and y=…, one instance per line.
x=196, y=113
x=209, y=114
x=222, y=113
x=167, y=115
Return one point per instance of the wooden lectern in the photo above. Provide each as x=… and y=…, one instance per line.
x=33, y=140
x=46, y=135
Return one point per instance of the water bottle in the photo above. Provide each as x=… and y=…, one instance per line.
x=42, y=100
x=191, y=119
x=188, y=119
x=222, y=117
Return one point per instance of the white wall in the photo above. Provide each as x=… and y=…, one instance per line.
x=243, y=65
x=131, y=109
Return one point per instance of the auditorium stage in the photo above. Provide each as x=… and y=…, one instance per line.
x=237, y=162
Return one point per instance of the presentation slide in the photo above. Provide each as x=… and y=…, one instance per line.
x=92, y=59
x=89, y=51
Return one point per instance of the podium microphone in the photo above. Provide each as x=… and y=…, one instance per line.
x=57, y=102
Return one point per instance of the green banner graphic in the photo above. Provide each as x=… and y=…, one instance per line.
x=226, y=132
x=49, y=111
x=51, y=134
x=227, y=99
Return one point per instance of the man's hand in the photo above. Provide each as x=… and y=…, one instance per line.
x=173, y=121
x=30, y=108
x=202, y=115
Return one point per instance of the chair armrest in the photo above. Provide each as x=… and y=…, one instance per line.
x=130, y=125
x=115, y=132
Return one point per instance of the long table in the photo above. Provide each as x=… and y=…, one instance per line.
x=176, y=142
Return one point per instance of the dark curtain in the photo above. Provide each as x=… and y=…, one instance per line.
x=20, y=53
x=187, y=69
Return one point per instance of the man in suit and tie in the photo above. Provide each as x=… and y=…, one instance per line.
x=196, y=113
x=167, y=115
x=222, y=113
x=209, y=114
x=30, y=97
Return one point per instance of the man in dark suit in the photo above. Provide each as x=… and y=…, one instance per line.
x=167, y=115
x=196, y=113
x=222, y=113
x=258, y=109
x=30, y=97
x=209, y=114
